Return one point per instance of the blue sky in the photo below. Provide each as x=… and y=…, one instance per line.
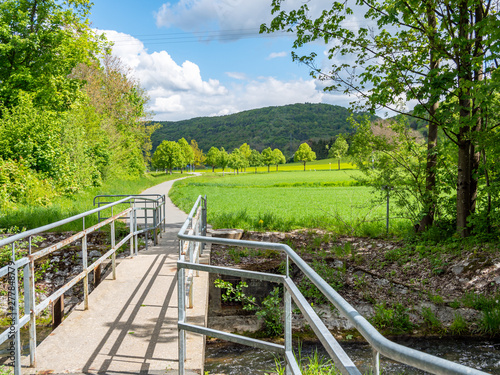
x=205, y=57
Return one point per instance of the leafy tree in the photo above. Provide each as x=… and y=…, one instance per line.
x=237, y=160
x=304, y=154
x=118, y=114
x=40, y=44
x=167, y=156
x=187, y=153
x=223, y=159
x=212, y=158
x=245, y=151
x=255, y=159
x=339, y=148
x=278, y=158
x=199, y=157
x=451, y=73
x=267, y=157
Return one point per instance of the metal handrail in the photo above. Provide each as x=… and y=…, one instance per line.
x=27, y=263
x=379, y=343
x=158, y=207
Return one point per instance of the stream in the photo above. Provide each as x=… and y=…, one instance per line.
x=233, y=359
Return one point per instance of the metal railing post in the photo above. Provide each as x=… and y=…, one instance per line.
x=113, y=244
x=136, y=235
x=182, y=318
x=131, y=220
x=155, y=233
x=164, y=214
x=288, y=326
x=203, y=221
x=85, y=265
x=376, y=362
x=146, y=225
x=32, y=324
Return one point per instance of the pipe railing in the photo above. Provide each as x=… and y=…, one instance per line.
x=27, y=265
x=379, y=344
x=144, y=203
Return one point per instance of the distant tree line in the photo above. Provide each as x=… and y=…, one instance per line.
x=171, y=154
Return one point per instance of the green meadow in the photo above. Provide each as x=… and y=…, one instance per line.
x=28, y=217
x=331, y=200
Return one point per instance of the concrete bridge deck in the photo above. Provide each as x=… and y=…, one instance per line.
x=131, y=324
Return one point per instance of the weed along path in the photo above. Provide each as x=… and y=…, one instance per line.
x=131, y=323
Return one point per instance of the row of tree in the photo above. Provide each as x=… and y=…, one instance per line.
x=171, y=154
x=71, y=116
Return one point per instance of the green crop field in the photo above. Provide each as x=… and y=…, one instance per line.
x=286, y=201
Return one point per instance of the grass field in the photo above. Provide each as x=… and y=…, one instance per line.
x=286, y=201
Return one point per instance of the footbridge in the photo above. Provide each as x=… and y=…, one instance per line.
x=148, y=314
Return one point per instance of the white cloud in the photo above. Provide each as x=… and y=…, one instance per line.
x=193, y=15
x=237, y=75
x=275, y=55
x=178, y=91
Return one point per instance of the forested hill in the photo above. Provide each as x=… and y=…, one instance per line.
x=282, y=127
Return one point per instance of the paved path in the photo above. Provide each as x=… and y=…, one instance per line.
x=131, y=324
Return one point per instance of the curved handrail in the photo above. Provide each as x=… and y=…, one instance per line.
x=32, y=232
x=381, y=344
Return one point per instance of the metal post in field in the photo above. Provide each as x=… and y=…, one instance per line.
x=387, y=220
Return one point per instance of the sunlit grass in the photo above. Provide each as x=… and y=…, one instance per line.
x=63, y=207
x=286, y=201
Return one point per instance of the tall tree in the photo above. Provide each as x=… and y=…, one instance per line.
x=304, y=154
x=223, y=159
x=278, y=158
x=41, y=42
x=199, y=157
x=187, y=153
x=430, y=52
x=338, y=149
x=267, y=157
x=255, y=159
x=213, y=157
x=168, y=155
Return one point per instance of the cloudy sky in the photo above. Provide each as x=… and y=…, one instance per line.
x=206, y=57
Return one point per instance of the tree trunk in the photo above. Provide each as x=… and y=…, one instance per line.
x=268, y=168
x=466, y=182
x=213, y=168
x=430, y=169
x=304, y=166
x=339, y=164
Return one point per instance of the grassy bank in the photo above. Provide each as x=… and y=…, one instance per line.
x=62, y=207
x=332, y=200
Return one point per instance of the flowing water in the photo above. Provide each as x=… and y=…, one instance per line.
x=230, y=359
